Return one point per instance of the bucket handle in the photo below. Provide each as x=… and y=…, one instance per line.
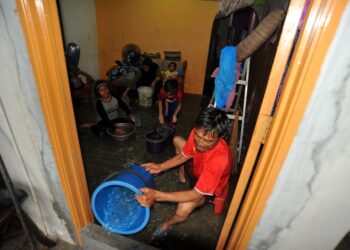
x=125, y=171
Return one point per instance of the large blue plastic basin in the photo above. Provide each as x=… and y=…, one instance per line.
x=114, y=204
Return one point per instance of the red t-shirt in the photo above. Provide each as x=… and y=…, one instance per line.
x=212, y=168
x=178, y=96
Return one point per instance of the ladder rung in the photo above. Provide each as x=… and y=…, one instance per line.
x=241, y=82
x=232, y=117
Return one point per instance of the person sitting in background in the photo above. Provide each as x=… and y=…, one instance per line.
x=211, y=168
x=150, y=73
x=122, y=80
x=107, y=107
x=171, y=72
x=170, y=102
x=151, y=76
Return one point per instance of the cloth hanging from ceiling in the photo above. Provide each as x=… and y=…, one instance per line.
x=228, y=6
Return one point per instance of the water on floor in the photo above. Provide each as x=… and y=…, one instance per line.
x=103, y=156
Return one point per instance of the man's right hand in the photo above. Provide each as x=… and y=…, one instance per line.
x=148, y=197
x=153, y=168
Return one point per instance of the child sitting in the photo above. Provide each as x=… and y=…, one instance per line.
x=107, y=107
x=171, y=73
x=170, y=102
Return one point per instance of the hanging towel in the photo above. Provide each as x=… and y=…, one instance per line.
x=226, y=78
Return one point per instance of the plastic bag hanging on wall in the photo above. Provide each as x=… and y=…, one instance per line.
x=226, y=78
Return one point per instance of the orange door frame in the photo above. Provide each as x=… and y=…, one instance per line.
x=41, y=27
x=319, y=28
x=264, y=119
x=40, y=23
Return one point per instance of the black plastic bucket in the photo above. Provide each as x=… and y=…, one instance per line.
x=167, y=133
x=154, y=142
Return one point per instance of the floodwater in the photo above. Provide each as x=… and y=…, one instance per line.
x=103, y=156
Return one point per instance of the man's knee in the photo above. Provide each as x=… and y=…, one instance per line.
x=179, y=142
x=184, y=209
x=183, y=212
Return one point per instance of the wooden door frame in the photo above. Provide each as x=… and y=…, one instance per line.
x=40, y=22
x=41, y=27
x=263, y=121
x=319, y=28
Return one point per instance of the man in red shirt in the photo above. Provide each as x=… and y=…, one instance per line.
x=211, y=168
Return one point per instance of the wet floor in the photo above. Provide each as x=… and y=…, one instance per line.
x=103, y=156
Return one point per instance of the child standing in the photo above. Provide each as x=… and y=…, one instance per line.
x=107, y=107
x=170, y=102
x=169, y=107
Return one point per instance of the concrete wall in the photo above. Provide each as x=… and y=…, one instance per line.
x=156, y=26
x=309, y=207
x=79, y=26
x=24, y=144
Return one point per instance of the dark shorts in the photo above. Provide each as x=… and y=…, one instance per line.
x=169, y=111
x=189, y=172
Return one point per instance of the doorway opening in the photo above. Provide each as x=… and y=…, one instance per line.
x=55, y=97
x=103, y=156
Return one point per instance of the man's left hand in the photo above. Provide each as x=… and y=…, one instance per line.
x=153, y=168
x=147, y=198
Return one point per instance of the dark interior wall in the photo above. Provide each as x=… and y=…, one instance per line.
x=226, y=31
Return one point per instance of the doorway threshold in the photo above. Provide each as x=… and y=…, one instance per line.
x=95, y=237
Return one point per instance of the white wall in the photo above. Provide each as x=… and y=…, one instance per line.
x=24, y=144
x=310, y=207
x=79, y=26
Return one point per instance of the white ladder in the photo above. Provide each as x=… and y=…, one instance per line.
x=242, y=86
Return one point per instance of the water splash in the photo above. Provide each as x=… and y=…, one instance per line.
x=121, y=210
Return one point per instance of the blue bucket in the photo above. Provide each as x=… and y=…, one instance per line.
x=114, y=204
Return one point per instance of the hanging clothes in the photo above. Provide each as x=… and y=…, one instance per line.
x=226, y=77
